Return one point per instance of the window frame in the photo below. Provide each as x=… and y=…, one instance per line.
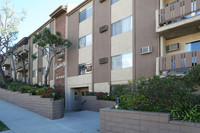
x=86, y=65
x=121, y=26
x=114, y=1
x=85, y=38
x=86, y=12
x=34, y=75
x=121, y=61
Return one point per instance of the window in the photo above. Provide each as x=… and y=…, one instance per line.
x=45, y=51
x=44, y=69
x=114, y=1
x=122, y=26
x=34, y=73
x=85, y=68
x=85, y=41
x=194, y=46
x=85, y=14
x=36, y=55
x=122, y=61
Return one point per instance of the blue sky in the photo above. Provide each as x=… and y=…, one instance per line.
x=38, y=12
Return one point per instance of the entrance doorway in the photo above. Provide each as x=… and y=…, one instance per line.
x=76, y=98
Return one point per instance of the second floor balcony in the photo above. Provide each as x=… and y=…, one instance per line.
x=23, y=49
x=178, y=19
x=178, y=63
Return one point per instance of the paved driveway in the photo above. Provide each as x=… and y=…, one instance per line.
x=20, y=120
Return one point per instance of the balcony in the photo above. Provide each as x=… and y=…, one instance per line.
x=19, y=67
x=179, y=19
x=178, y=63
x=7, y=63
x=7, y=73
x=23, y=49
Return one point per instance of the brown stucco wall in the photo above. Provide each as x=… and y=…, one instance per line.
x=60, y=26
x=43, y=106
x=39, y=68
x=122, y=121
x=101, y=41
x=91, y=103
x=30, y=59
x=145, y=35
x=73, y=36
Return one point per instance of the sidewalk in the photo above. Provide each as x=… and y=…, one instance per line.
x=20, y=120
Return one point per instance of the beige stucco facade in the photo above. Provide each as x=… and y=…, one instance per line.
x=102, y=87
x=183, y=41
x=122, y=43
x=121, y=76
x=85, y=55
x=121, y=9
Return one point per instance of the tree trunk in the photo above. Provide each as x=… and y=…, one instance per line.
x=24, y=70
x=3, y=77
x=13, y=68
x=47, y=72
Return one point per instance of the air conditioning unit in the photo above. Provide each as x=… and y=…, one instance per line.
x=103, y=28
x=172, y=47
x=146, y=50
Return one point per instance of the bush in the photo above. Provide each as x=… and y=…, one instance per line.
x=41, y=91
x=2, y=85
x=120, y=90
x=105, y=96
x=16, y=84
x=26, y=89
x=155, y=94
x=52, y=93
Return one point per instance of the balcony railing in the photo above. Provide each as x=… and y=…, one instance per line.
x=179, y=61
x=179, y=11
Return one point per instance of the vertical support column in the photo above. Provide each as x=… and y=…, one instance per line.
x=158, y=66
x=162, y=46
x=162, y=4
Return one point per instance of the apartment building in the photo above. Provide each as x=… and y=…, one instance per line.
x=114, y=41
x=178, y=26
x=22, y=50
x=107, y=38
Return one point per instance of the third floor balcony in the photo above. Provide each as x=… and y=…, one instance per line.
x=179, y=18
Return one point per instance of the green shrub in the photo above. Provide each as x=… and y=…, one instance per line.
x=13, y=89
x=2, y=85
x=91, y=93
x=52, y=93
x=120, y=90
x=105, y=96
x=41, y=91
x=16, y=84
x=155, y=94
x=27, y=89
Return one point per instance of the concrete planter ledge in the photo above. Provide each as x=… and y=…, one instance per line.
x=118, y=121
x=46, y=107
x=91, y=103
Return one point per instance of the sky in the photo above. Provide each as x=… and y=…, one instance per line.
x=38, y=12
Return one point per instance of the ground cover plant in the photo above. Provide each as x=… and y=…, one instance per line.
x=3, y=127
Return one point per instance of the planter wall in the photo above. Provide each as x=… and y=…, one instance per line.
x=92, y=104
x=122, y=121
x=46, y=107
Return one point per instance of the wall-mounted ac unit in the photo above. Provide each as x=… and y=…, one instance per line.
x=101, y=1
x=146, y=50
x=172, y=47
x=103, y=28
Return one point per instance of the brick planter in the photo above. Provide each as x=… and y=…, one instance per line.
x=46, y=107
x=122, y=121
x=91, y=103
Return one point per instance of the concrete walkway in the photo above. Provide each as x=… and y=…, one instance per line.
x=20, y=120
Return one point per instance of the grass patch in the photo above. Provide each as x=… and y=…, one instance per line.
x=3, y=127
